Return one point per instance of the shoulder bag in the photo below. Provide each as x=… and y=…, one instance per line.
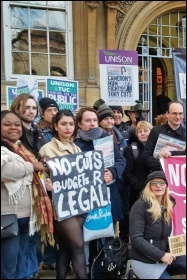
x=9, y=225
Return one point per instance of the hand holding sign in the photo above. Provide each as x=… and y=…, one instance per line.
x=78, y=183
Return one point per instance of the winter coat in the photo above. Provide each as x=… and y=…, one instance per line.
x=136, y=172
x=45, y=127
x=121, y=142
x=117, y=171
x=149, y=160
x=33, y=138
x=15, y=170
x=149, y=239
x=127, y=131
x=56, y=148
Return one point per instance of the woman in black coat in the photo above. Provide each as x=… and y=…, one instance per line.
x=136, y=172
x=150, y=225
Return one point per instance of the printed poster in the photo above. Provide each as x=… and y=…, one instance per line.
x=119, y=77
x=28, y=84
x=179, y=66
x=175, y=170
x=106, y=145
x=11, y=93
x=64, y=92
x=168, y=143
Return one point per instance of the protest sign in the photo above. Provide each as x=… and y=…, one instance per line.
x=179, y=63
x=11, y=93
x=177, y=245
x=78, y=183
x=27, y=84
x=168, y=143
x=106, y=145
x=175, y=171
x=119, y=76
x=64, y=92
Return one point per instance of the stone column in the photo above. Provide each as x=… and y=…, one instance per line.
x=92, y=89
x=112, y=7
x=92, y=17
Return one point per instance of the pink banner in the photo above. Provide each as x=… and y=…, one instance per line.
x=175, y=171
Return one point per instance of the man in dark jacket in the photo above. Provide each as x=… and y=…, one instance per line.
x=27, y=108
x=172, y=128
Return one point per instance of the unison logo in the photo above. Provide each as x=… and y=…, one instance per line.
x=123, y=59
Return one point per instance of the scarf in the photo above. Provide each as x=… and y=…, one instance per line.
x=16, y=189
x=92, y=134
x=42, y=216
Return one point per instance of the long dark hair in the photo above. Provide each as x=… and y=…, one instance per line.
x=57, y=118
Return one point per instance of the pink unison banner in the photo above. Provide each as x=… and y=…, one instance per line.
x=175, y=171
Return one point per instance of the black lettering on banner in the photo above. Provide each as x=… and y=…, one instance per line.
x=78, y=183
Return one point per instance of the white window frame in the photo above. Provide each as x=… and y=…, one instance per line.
x=9, y=76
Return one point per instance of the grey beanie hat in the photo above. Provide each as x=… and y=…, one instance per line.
x=104, y=111
x=156, y=174
x=98, y=103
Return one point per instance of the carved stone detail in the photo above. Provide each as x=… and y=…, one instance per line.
x=123, y=9
x=92, y=4
x=112, y=4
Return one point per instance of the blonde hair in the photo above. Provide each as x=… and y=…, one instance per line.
x=155, y=207
x=143, y=125
x=160, y=119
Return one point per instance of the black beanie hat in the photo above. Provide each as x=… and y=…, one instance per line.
x=47, y=102
x=104, y=111
x=98, y=103
x=119, y=108
x=156, y=174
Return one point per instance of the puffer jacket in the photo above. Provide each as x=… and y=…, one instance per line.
x=149, y=239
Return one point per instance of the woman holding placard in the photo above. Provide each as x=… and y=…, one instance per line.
x=150, y=225
x=70, y=236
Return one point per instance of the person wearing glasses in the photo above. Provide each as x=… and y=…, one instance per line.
x=150, y=225
x=173, y=128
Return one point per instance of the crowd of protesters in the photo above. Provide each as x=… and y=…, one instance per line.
x=25, y=148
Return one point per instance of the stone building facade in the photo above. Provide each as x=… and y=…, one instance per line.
x=103, y=25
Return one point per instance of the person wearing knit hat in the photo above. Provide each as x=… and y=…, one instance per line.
x=128, y=132
x=97, y=103
x=49, y=109
x=47, y=102
x=151, y=223
x=104, y=111
x=156, y=174
x=117, y=108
